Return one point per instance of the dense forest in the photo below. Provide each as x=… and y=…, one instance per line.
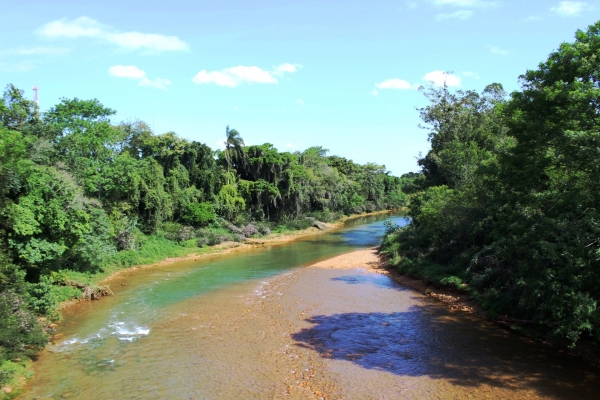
x=80, y=195
x=507, y=203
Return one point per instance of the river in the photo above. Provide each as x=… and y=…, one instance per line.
x=262, y=324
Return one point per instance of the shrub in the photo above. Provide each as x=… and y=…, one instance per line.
x=216, y=238
x=200, y=214
x=186, y=233
x=232, y=228
x=125, y=240
x=170, y=230
x=46, y=295
x=250, y=230
x=21, y=334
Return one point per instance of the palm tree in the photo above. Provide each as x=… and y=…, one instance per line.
x=234, y=147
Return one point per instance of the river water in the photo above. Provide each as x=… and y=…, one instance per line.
x=260, y=324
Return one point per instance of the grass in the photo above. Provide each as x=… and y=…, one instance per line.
x=154, y=249
x=19, y=373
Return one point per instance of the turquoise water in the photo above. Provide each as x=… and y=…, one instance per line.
x=96, y=334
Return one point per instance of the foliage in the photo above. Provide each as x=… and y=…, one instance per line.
x=507, y=202
x=21, y=334
x=200, y=214
x=81, y=196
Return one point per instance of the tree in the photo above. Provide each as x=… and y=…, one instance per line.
x=16, y=112
x=234, y=147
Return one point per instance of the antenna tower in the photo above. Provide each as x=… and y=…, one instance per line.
x=35, y=95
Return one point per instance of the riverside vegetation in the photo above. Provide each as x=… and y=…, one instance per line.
x=507, y=204
x=81, y=196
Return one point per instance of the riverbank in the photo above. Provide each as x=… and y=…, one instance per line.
x=272, y=239
x=338, y=328
x=111, y=273
x=371, y=260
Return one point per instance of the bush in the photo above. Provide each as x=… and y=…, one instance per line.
x=20, y=334
x=46, y=295
x=216, y=238
x=232, y=228
x=125, y=240
x=170, y=230
x=186, y=233
x=178, y=233
x=264, y=230
x=250, y=230
x=200, y=214
x=325, y=216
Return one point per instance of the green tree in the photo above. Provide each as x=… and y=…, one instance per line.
x=234, y=147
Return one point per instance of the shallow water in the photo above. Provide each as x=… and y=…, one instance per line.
x=259, y=324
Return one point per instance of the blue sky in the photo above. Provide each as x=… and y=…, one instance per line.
x=338, y=74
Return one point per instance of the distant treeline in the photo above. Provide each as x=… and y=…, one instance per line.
x=79, y=193
x=507, y=205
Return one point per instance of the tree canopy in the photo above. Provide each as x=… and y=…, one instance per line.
x=507, y=203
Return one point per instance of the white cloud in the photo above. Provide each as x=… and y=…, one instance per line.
x=460, y=14
x=133, y=72
x=435, y=77
x=465, y=3
x=411, y=5
x=286, y=67
x=399, y=84
x=90, y=28
x=569, y=8
x=158, y=83
x=146, y=41
x=470, y=74
x=439, y=77
x=79, y=27
x=498, y=50
x=126, y=71
x=49, y=50
x=241, y=74
x=532, y=18
x=300, y=102
x=35, y=51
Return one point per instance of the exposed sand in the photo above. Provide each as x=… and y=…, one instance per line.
x=230, y=247
x=370, y=260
